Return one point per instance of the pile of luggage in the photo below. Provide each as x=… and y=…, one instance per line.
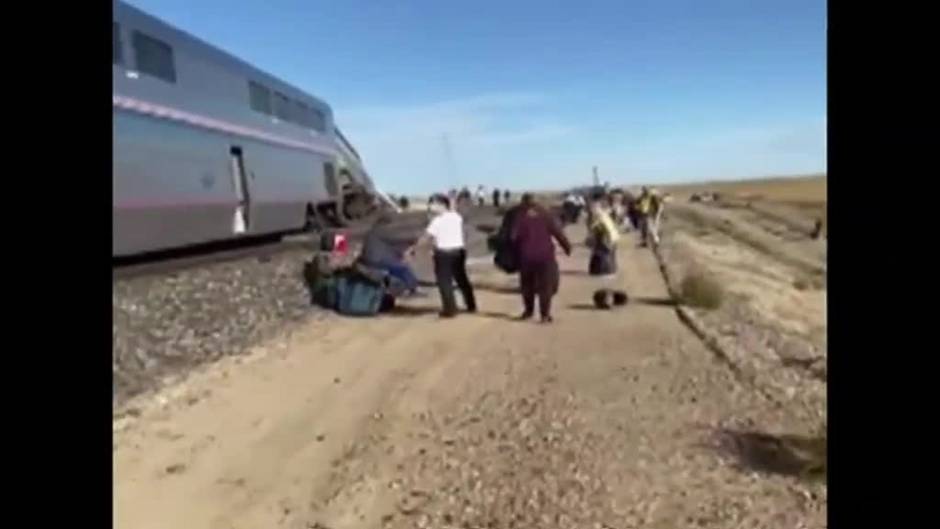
x=350, y=289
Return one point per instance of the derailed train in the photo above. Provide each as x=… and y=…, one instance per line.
x=206, y=147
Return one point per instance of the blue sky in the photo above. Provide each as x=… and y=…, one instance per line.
x=533, y=93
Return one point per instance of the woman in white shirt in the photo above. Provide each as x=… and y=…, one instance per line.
x=450, y=256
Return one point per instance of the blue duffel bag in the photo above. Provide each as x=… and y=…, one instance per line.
x=357, y=296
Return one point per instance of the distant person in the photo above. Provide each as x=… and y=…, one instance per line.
x=532, y=233
x=450, y=256
x=621, y=211
x=464, y=198
x=496, y=196
x=603, y=236
x=644, y=207
x=481, y=196
x=382, y=250
x=633, y=212
x=571, y=208
x=817, y=230
x=618, y=211
x=506, y=196
x=650, y=207
x=658, y=205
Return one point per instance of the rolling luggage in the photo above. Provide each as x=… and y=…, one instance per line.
x=358, y=296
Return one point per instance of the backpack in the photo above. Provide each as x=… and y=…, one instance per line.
x=320, y=278
x=504, y=256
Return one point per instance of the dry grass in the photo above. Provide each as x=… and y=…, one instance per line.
x=801, y=189
x=701, y=291
x=805, y=193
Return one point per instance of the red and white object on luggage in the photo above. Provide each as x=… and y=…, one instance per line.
x=340, y=244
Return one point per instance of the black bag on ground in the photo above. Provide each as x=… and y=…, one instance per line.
x=605, y=298
x=504, y=256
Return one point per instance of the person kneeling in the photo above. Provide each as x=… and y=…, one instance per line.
x=382, y=251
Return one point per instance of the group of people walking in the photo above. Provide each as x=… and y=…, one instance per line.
x=526, y=243
x=465, y=197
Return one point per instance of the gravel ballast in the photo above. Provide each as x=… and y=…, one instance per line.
x=166, y=324
x=170, y=323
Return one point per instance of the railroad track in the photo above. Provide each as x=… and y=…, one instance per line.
x=171, y=261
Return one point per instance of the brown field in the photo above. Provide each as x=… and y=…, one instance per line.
x=783, y=189
x=804, y=196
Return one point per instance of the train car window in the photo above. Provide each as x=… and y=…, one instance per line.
x=301, y=114
x=117, y=52
x=318, y=122
x=282, y=106
x=259, y=98
x=154, y=57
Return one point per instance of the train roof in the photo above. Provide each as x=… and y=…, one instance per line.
x=127, y=12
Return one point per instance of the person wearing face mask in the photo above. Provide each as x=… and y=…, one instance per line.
x=450, y=257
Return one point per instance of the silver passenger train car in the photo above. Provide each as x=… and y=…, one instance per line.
x=207, y=147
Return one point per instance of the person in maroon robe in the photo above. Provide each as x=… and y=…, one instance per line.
x=532, y=233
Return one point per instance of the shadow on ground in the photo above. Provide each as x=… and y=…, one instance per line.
x=497, y=289
x=657, y=302
x=787, y=455
x=406, y=310
x=498, y=316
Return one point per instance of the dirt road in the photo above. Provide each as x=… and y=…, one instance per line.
x=616, y=419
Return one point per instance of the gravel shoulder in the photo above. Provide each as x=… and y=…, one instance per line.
x=167, y=325
x=604, y=419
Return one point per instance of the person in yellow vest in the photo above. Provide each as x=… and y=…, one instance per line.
x=657, y=206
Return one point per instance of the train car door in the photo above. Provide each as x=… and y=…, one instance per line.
x=242, y=220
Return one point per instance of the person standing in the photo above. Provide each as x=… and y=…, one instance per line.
x=481, y=196
x=569, y=208
x=496, y=195
x=644, y=206
x=532, y=233
x=506, y=196
x=603, y=236
x=657, y=206
x=450, y=256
